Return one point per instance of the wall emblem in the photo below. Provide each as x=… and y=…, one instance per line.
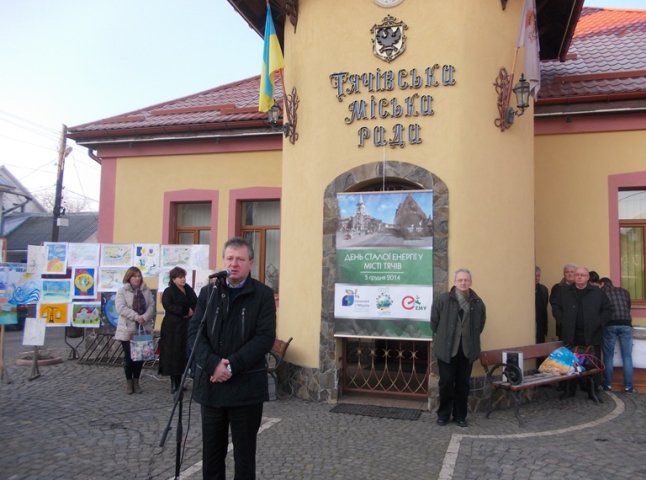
x=388, y=39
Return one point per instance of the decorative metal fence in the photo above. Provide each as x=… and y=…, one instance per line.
x=389, y=367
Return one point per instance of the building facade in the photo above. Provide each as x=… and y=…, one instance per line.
x=392, y=96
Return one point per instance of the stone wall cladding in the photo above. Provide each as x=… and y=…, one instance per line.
x=322, y=384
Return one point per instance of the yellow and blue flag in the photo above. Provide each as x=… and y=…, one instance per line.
x=272, y=62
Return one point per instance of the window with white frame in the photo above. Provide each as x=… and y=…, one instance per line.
x=632, y=245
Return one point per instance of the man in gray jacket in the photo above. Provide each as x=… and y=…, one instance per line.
x=457, y=319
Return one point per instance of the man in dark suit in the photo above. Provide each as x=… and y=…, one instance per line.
x=542, y=296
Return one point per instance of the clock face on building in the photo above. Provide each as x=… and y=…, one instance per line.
x=388, y=3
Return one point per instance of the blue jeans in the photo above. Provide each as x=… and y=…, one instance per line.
x=625, y=335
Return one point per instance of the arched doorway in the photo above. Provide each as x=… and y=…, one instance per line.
x=374, y=365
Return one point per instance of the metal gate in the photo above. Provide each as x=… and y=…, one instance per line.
x=386, y=366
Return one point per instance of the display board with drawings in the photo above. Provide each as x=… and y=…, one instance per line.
x=75, y=284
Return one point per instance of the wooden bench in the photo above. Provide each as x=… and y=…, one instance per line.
x=275, y=357
x=491, y=360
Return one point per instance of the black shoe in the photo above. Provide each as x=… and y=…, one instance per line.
x=441, y=422
x=461, y=423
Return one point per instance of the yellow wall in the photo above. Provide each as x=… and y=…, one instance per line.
x=572, y=197
x=142, y=182
x=489, y=174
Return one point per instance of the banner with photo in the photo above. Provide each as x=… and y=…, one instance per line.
x=384, y=259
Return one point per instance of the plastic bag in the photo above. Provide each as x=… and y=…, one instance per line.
x=561, y=361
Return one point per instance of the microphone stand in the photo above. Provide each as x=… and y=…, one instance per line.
x=179, y=394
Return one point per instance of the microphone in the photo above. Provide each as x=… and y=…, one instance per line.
x=219, y=275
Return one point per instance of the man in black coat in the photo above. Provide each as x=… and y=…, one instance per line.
x=582, y=310
x=568, y=279
x=542, y=296
x=230, y=370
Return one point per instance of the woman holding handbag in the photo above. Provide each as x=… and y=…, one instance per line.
x=179, y=301
x=136, y=308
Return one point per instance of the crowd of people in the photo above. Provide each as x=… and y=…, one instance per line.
x=232, y=326
x=591, y=313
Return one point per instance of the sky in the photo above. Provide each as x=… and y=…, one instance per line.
x=76, y=61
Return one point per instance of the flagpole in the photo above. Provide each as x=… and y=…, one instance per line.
x=282, y=82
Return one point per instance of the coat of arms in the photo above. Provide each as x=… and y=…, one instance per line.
x=388, y=39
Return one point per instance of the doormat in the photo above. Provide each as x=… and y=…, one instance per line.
x=378, y=412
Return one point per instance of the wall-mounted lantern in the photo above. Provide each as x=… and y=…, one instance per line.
x=506, y=113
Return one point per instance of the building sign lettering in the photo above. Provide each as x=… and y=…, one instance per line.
x=380, y=107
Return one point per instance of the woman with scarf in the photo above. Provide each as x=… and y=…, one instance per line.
x=136, y=308
x=179, y=301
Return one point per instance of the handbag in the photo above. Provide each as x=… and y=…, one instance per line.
x=586, y=358
x=142, y=347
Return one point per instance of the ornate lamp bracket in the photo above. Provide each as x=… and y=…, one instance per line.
x=291, y=106
x=503, y=89
x=506, y=113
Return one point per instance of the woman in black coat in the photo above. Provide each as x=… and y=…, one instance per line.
x=179, y=302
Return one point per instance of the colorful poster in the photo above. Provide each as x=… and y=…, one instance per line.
x=109, y=310
x=34, y=333
x=384, y=284
x=55, y=258
x=20, y=287
x=147, y=258
x=17, y=287
x=83, y=255
x=110, y=279
x=84, y=281
x=56, y=290
x=116, y=255
x=55, y=314
x=176, y=256
x=86, y=315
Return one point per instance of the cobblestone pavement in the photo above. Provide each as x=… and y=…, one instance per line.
x=76, y=422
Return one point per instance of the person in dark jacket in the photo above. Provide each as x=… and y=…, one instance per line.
x=568, y=279
x=541, y=298
x=230, y=371
x=179, y=302
x=582, y=310
x=457, y=319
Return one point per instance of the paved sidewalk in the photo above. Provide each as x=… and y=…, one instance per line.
x=76, y=422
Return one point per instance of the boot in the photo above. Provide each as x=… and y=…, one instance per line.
x=129, y=387
x=135, y=385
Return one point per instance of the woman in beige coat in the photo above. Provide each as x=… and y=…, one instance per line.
x=136, y=307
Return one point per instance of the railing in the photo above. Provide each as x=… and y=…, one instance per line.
x=389, y=367
x=103, y=349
